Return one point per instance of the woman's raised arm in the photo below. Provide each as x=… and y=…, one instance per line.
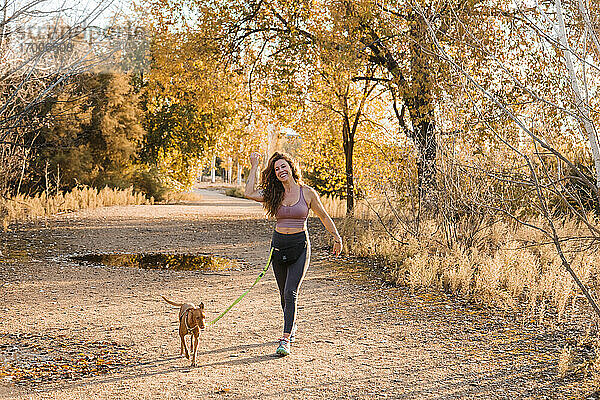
x=250, y=192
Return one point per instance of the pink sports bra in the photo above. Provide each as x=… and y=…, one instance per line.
x=293, y=216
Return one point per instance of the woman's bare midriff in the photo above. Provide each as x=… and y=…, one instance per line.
x=288, y=231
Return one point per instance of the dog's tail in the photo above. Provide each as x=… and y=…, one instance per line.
x=172, y=302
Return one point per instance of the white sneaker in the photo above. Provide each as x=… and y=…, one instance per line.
x=284, y=347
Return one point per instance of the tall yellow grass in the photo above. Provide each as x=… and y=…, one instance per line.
x=336, y=208
x=180, y=197
x=20, y=208
x=507, y=274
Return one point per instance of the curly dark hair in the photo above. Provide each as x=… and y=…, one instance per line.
x=272, y=188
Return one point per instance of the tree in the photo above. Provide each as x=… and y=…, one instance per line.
x=192, y=101
x=95, y=132
x=585, y=112
x=538, y=36
x=323, y=157
x=317, y=58
x=40, y=51
x=395, y=40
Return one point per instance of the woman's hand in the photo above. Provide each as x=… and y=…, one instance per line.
x=254, y=159
x=337, y=246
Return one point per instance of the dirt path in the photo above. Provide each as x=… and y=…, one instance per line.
x=357, y=339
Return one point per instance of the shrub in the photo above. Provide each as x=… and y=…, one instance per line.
x=148, y=181
x=235, y=192
x=505, y=272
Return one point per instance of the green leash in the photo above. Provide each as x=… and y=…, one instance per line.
x=262, y=273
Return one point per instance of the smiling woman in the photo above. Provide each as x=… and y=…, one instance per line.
x=286, y=198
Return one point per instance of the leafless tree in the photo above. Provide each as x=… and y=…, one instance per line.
x=538, y=176
x=42, y=45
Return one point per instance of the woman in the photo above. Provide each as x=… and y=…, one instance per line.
x=285, y=197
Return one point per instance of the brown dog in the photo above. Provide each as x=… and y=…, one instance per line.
x=191, y=320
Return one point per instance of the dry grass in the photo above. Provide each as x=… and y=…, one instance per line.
x=22, y=208
x=336, y=208
x=565, y=361
x=180, y=197
x=514, y=269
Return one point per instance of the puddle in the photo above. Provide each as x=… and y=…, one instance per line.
x=175, y=262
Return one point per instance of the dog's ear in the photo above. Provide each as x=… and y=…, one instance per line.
x=201, y=306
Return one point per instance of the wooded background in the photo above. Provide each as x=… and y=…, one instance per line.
x=466, y=130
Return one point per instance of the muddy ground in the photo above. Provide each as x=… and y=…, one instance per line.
x=79, y=331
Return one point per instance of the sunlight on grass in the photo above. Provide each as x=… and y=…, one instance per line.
x=336, y=208
x=180, y=197
x=21, y=208
x=505, y=270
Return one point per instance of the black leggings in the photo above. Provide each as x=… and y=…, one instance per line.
x=289, y=275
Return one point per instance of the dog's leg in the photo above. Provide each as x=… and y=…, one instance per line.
x=184, y=349
x=182, y=333
x=194, y=348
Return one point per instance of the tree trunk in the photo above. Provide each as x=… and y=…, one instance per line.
x=3, y=32
x=230, y=170
x=581, y=104
x=47, y=182
x=212, y=169
x=25, y=155
x=425, y=141
x=418, y=99
x=348, y=153
x=416, y=94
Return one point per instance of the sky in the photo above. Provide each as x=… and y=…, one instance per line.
x=95, y=12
